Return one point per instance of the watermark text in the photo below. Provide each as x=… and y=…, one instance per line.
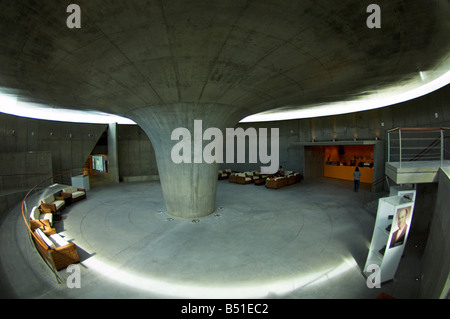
x=190, y=148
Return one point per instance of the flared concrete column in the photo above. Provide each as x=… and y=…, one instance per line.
x=113, y=156
x=189, y=188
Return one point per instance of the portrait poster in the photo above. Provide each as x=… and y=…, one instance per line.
x=97, y=163
x=400, y=226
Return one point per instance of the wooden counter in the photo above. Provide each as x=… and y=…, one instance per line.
x=346, y=172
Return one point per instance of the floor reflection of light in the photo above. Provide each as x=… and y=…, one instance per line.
x=166, y=288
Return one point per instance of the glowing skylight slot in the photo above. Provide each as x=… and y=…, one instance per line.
x=9, y=104
x=395, y=95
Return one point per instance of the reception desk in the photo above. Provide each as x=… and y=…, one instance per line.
x=346, y=172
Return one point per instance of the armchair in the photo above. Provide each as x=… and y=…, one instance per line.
x=39, y=219
x=52, y=204
x=75, y=194
x=56, y=249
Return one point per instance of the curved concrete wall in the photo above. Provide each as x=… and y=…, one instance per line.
x=436, y=260
x=429, y=110
x=69, y=143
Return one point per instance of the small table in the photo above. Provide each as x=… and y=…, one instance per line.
x=67, y=200
x=260, y=181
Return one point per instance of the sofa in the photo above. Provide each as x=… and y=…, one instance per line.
x=73, y=193
x=40, y=219
x=244, y=178
x=233, y=177
x=54, y=248
x=294, y=178
x=52, y=204
x=276, y=182
x=223, y=175
x=289, y=178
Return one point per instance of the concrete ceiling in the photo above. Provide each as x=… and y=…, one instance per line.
x=256, y=55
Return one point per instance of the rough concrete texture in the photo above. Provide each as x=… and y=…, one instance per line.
x=189, y=188
x=24, y=170
x=435, y=262
x=69, y=143
x=306, y=240
x=253, y=54
x=247, y=57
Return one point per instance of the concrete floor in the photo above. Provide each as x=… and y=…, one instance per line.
x=307, y=240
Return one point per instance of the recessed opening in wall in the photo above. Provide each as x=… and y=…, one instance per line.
x=96, y=165
x=341, y=161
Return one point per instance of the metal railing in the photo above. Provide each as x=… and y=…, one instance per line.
x=408, y=144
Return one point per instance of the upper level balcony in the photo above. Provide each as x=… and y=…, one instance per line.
x=415, y=154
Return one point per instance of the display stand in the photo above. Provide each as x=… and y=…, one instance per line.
x=390, y=233
x=81, y=181
x=403, y=191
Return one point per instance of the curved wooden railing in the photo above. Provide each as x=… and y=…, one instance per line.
x=26, y=214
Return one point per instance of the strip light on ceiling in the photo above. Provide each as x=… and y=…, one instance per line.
x=377, y=100
x=10, y=104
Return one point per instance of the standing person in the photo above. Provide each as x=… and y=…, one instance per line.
x=356, y=177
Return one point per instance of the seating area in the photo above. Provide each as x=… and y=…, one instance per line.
x=289, y=178
x=270, y=181
x=276, y=182
x=52, y=246
x=73, y=193
x=224, y=174
x=53, y=204
x=245, y=177
x=37, y=217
